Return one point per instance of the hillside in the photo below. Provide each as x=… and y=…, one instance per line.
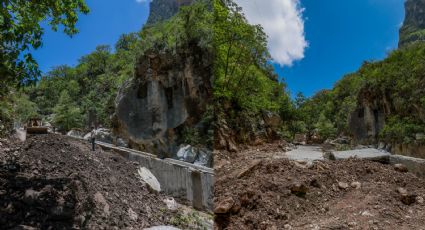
x=413, y=28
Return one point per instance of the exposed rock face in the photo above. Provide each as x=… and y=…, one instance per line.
x=161, y=10
x=170, y=91
x=414, y=23
x=369, y=118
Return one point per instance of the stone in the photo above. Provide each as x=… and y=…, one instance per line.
x=299, y=189
x=356, y=185
x=162, y=228
x=400, y=168
x=420, y=200
x=101, y=204
x=204, y=158
x=147, y=177
x=414, y=165
x=367, y=154
x=342, y=185
x=171, y=203
x=402, y=191
x=120, y=142
x=187, y=154
x=75, y=133
x=224, y=206
x=132, y=215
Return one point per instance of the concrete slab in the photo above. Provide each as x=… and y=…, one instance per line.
x=367, y=154
x=414, y=165
x=305, y=153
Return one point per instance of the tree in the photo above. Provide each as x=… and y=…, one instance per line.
x=21, y=31
x=24, y=108
x=66, y=114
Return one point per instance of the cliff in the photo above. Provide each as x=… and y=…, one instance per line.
x=413, y=28
x=161, y=10
x=169, y=93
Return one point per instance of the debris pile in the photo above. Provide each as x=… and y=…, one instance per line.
x=56, y=182
x=255, y=190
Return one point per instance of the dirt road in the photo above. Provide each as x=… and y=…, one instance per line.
x=254, y=189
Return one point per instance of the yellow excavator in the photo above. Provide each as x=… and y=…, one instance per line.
x=35, y=126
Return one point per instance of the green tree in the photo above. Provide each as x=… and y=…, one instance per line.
x=66, y=114
x=24, y=109
x=21, y=31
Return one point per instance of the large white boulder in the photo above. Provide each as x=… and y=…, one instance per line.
x=148, y=178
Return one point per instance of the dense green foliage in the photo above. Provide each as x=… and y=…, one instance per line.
x=244, y=77
x=397, y=83
x=92, y=85
x=21, y=32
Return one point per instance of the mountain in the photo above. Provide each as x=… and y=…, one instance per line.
x=413, y=28
x=161, y=10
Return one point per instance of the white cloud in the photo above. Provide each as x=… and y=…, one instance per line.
x=283, y=23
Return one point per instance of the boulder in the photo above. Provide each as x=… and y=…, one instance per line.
x=187, y=154
x=75, y=133
x=205, y=157
x=147, y=177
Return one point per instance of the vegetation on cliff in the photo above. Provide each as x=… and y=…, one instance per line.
x=395, y=84
x=245, y=84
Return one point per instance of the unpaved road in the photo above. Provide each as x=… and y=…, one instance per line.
x=254, y=190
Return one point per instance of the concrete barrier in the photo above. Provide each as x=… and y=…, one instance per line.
x=192, y=183
x=414, y=165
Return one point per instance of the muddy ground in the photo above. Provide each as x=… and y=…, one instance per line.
x=255, y=190
x=55, y=182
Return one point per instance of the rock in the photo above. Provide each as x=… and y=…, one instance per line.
x=249, y=169
x=402, y=191
x=400, y=168
x=171, y=203
x=300, y=139
x=342, y=185
x=120, y=142
x=356, y=185
x=187, y=154
x=169, y=92
x=299, y=189
x=204, y=158
x=408, y=199
x=162, y=228
x=132, y=215
x=149, y=179
x=420, y=200
x=224, y=206
x=420, y=136
x=381, y=145
x=75, y=133
x=101, y=204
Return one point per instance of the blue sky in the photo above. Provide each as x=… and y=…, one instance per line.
x=107, y=20
x=341, y=34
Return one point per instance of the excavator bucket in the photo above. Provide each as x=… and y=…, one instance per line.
x=35, y=126
x=36, y=130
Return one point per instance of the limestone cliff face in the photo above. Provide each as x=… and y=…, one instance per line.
x=161, y=10
x=414, y=23
x=170, y=91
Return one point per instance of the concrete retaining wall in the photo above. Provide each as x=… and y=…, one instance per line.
x=189, y=182
x=178, y=179
x=414, y=165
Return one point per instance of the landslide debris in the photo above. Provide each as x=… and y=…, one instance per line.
x=283, y=194
x=55, y=182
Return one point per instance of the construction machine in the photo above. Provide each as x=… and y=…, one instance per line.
x=35, y=126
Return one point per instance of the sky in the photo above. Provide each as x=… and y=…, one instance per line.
x=314, y=43
x=107, y=20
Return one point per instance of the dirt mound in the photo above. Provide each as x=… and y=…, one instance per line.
x=255, y=191
x=55, y=182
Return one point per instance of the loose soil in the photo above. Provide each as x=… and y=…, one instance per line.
x=55, y=182
x=256, y=190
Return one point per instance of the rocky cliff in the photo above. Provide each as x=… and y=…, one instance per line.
x=161, y=10
x=169, y=93
x=413, y=28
